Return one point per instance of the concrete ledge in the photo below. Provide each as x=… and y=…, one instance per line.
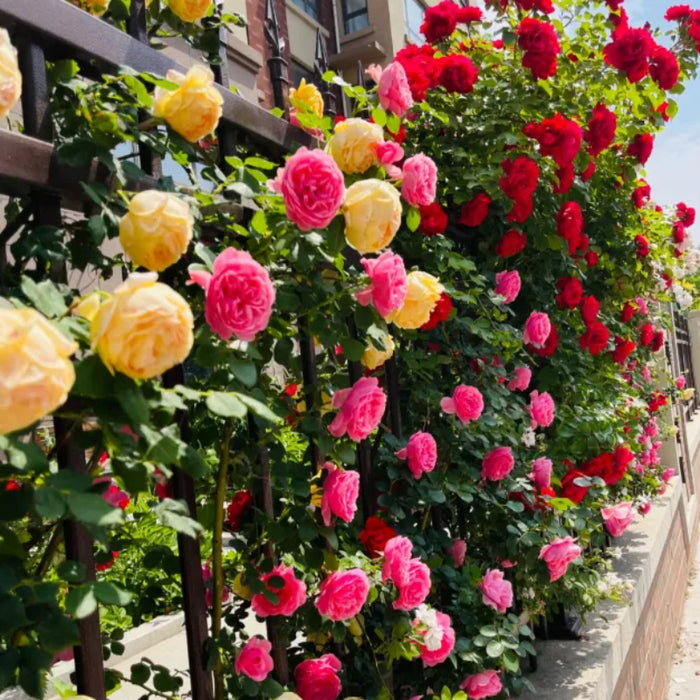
x=589, y=669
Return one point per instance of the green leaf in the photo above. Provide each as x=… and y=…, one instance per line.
x=412, y=218
x=379, y=116
x=49, y=503
x=192, y=463
x=91, y=508
x=23, y=456
x=92, y=379
x=175, y=514
x=10, y=546
x=44, y=296
x=227, y=405
x=494, y=648
x=140, y=673
x=353, y=349
x=71, y=571
x=205, y=254
x=163, y=445
x=259, y=408
x=271, y=688
x=510, y=661
x=81, y=601
x=109, y=594
x=131, y=399
x=259, y=223
x=244, y=370
x=260, y=163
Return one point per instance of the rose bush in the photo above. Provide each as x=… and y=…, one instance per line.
x=514, y=266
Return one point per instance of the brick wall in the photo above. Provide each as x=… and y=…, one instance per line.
x=256, y=39
x=646, y=672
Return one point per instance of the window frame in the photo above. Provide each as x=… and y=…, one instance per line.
x=349, y=16
x=310, y=7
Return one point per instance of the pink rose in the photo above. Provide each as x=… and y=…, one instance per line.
x=458, y=551
x=389, y=152
x=508, y=285
x=374, y=71
x=541, y=409
x=389, y=286
x=421, y=453
x=497, y=464
x=397, y=558
x=415, y=588
x=558, y=554
x=482, y=685
x=239, y=295
x=208, y=587
x=618, y=518
x=340, y=491
x=537, y=329
x=113, y=494
x=680, y=383
x=467, y=402
x=317, y=679
x=668, y=474
x=522, y=378
x=254, y=659
x=496, y=592
x=343, y=594
x=360, y=409
x=394, y=91
x=291, y=596
x=313, y=188
x=419, y=180
x=437, y=656
x=542, y=472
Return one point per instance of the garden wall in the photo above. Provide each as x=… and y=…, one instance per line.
x=627, y=651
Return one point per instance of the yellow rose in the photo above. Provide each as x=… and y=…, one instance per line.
x=156, y=230
x=10, y=77
x=373, y=357
x=372, y=210
x=94, y=7
x=354, y=145
x=307, y=98
x=190, y=10
x=194, y=108
x=423, y=293
x=144, y=329
x=35, y=372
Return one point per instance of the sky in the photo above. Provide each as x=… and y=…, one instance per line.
x=672, y=170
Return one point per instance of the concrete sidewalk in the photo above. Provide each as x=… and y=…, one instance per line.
x=685, y=673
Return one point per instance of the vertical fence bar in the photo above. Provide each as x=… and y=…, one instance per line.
x=320, y=67
x=391, y=374
x=277, y=66
x=46, y=209
x=194, y=601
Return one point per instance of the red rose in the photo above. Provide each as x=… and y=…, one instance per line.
x=540, y=44
x=592, y=258
x=240, y=503
x=13, y=485
x=656, y=401
x=457, y=73
x=685, y=214
x=570, y=225
x=588, y=173
x=590, y=307
x=440, y=313
x=623, y=349
x=664, y=68
x=622, y=457
x=662, y=109
x=565, y=178
x=433, y=219
x=511, y=243
x=601, y=129
x=520, y=180
x=550, y=345
x=570, y=490
x=105, y=561
x=570, y=292
x=630, y=51
x=657, y=341
x=676, y=12
x=468, y=14
x=642, y=245
x=668, y=279
x=520, y=211
x=475, y=210
x=595, y=339
x=375, y=535
x=678, y=232
x=692, y=26
x=641, y=195
x=421, y=69
x=440, y=21
x=558, y=137
x=646, y=335
x=641, y=147
x=628, y=311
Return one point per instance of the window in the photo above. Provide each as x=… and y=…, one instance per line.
x=309, y=6
x=299, y=72
x=355, y=15
x=414, y=18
